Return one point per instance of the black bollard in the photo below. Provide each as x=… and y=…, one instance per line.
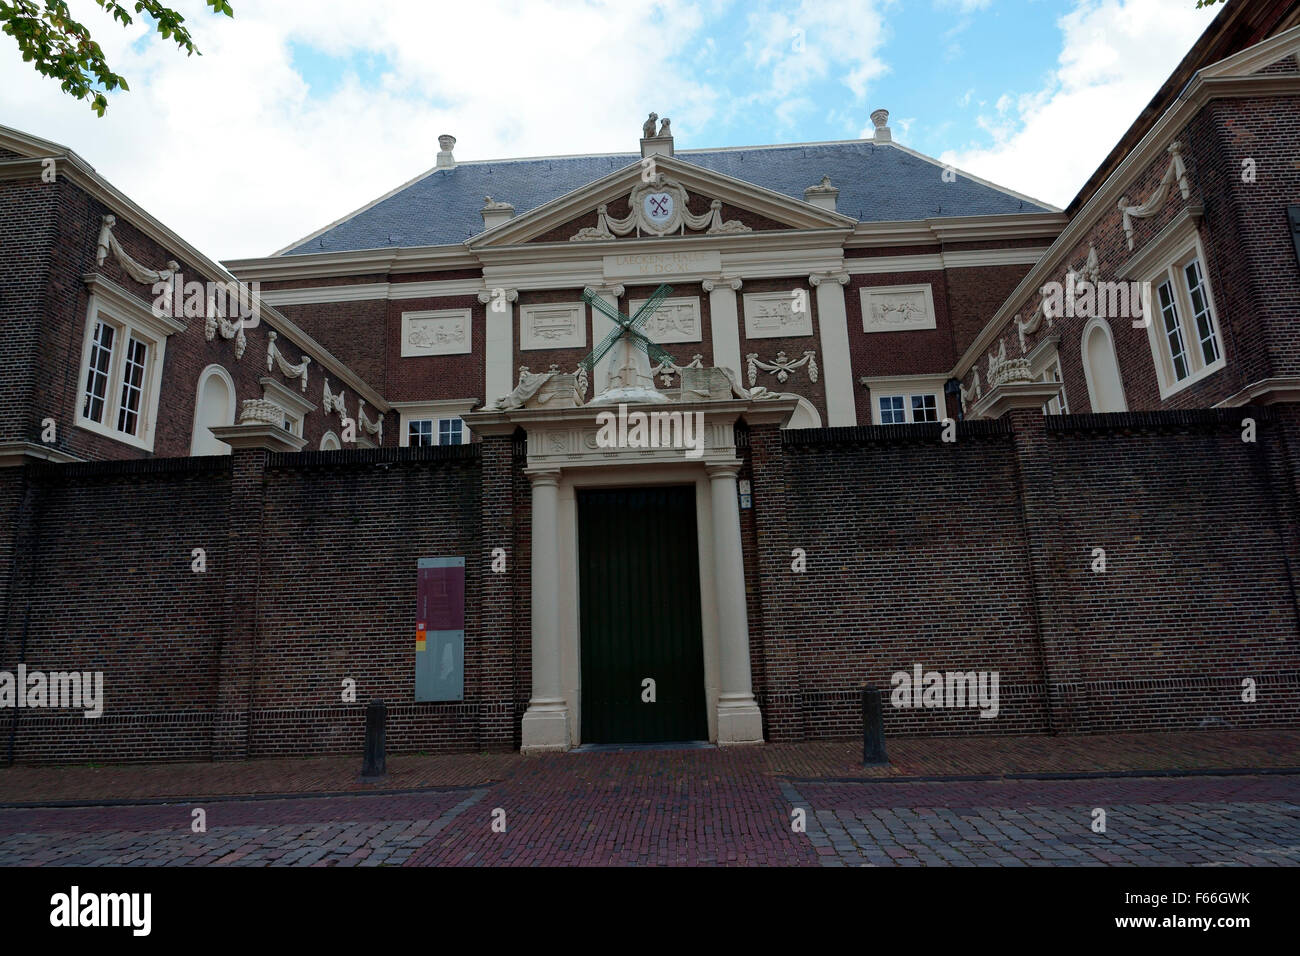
x=374, y=765
x=873, y=728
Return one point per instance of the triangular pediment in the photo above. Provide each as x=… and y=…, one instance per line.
x=669, y=198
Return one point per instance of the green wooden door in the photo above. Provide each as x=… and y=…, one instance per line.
x=639, y=588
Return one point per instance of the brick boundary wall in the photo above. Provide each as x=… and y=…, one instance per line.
x=973, y=555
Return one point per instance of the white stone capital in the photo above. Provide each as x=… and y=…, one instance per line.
x=723, y=282
x=817, y=278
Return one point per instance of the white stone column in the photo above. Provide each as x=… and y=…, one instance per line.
x=837, y=369
x=725, y=321
x=499, y=343
x=601, y=326
x=739, y=720
x=546, y=722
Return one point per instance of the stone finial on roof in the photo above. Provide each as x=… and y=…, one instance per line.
x=445, y=159
x=656, y=144
x=823, y=194
x=494, y=213
x=878, y=119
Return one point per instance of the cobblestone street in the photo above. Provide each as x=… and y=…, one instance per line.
x=691, y=807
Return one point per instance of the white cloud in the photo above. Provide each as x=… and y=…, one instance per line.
x=1115, y=55
x=234, y=151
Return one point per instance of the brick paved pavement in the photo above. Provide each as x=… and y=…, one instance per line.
x=695, y=807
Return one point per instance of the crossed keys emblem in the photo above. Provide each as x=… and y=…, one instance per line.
x=659, y=205
x=625, y=326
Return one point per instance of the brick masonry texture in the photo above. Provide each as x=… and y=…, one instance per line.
x=967, y=556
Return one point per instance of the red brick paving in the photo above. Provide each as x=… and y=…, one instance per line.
x=837, y=758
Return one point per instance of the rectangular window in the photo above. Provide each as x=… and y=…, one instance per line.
x=924, y=408
x=891, y=410
x=450, y=431
x=97, y=372
x=420, y=432
x=1173, y=331
x=1201, y=312
x=1057, y=405
x=128, y=408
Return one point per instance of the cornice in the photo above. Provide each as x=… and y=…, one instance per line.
x=1199, y=92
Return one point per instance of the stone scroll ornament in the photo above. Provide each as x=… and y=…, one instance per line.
x=1177, y=172
x=974, y=393
x=782, y=367
x=334, y=403
x=275, y=357
x=658, y=207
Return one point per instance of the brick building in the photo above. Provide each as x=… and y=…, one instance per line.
x=921, y=421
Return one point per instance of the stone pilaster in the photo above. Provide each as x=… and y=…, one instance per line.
x=837, y=368
x=739, y=719
x=546, y=722
x=499, y=343
x=724, y=318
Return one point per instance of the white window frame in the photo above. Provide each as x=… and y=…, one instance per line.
x=130, y=318
x=905, y=387
x=1171, y=271
x=1043, y=359
x=296, y=408
x=435, y=412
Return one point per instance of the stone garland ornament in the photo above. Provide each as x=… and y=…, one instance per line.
x=229, y=330
x=107, y=243
x=667, y=369
x=1090, y=271
x=658, y=207
x=375, y=428
x=275, y=357
x=580, y=378
x=782, y=366
x=1177, y=172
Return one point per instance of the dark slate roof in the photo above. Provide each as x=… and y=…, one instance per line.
x=877, y=183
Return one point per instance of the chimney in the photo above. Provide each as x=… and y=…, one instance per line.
x=445, y=160
x=656, y=143
x=823, y=194
x=494, y=213
x=878, y=119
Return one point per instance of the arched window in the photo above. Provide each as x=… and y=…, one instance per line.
x=214, y=404
x=330, y=442
x=1100, y=368
x=805, y=415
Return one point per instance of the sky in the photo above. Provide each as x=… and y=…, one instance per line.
x=300, y=111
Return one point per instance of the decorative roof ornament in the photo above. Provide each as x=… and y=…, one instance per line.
x=1176, y=172
x=648, y=127
x=658, y=207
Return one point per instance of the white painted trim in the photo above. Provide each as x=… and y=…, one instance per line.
x=434, y=411
x=1257, y=57
x=129, y=317
x=465, y=316
x=868, y=292
x=905, y=386
x=333, y=293
x=1098, y=322
x=213, y=371
x=1176, y=249
x=873, y=265
x=1193, y=98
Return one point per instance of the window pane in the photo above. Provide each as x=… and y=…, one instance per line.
x=1201, y=311
x=449, y=431
x=419, y=432
x=924, y=408
x=891, y=410
x=101, y=360
x=128, y=409
x=1173, y=330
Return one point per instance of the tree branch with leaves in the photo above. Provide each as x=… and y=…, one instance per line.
x=62, y=48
